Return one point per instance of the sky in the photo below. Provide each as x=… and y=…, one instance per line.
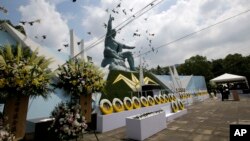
x=155, y=34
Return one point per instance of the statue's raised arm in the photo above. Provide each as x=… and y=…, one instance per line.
x=110, y=23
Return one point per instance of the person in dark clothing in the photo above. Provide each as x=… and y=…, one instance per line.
x=221, y=90
x=226, y=92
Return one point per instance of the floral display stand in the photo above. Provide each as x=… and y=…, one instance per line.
x=16, y=111
x=140, y=129
x=85, y=102
x=23, y=74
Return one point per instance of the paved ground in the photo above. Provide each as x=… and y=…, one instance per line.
x=205, y=121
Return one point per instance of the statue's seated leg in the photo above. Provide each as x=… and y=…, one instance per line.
x=129, y=56
x=114, y=64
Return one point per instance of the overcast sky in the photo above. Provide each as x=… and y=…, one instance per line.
x=165, y=22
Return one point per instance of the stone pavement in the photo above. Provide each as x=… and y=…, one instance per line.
x=205, y=121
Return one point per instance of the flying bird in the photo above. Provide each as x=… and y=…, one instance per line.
x=5, y=11
x=66, y=45
x=151, y=34
x=44, y=36
x=31, y=23
x=22, y=22
x=78, y=43
x=59, y=50
x=153, y=49
x=119, y=5
x=74, y=0
x=124, y=11
x=89, y=33
x=136, y=34
x=105, y=25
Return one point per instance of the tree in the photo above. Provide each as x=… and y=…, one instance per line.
x=217, y=67
x=233, y=63
x=197, y=65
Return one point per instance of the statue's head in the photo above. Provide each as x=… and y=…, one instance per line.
x=113, y=33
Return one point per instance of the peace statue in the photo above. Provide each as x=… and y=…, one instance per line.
x=113, y=55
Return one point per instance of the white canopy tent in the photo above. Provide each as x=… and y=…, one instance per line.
x=227, y=78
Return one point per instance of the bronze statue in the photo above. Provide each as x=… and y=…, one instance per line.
x=113, y=55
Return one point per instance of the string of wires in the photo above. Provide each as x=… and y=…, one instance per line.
x=198, y=31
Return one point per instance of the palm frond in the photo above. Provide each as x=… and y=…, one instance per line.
x=2, y=63
x=19, y=53
x=33, y=56
x=9, y=54
x=45, y=63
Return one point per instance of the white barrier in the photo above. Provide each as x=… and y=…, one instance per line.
x=140, y=129
x=115, y=120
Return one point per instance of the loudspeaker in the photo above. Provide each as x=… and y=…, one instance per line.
x=92, y=125
x=40, y=128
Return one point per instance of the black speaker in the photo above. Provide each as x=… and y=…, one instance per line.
x=92, y=125
x=40, y=127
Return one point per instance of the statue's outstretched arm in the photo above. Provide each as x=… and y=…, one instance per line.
x=124, y=46
x=128, y=47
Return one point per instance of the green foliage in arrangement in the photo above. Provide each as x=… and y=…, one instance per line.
x=22, y=72
x=78, y=77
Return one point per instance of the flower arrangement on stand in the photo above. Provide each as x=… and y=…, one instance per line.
x=80, y=79
x=23, y=74
x=68, y=121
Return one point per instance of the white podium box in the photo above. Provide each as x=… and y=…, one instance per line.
x=140, y=129
x=116, y=120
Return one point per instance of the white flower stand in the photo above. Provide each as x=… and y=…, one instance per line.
x=140, y=129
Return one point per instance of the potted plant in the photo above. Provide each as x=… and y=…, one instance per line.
x=23, y=74
x=80, y=79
